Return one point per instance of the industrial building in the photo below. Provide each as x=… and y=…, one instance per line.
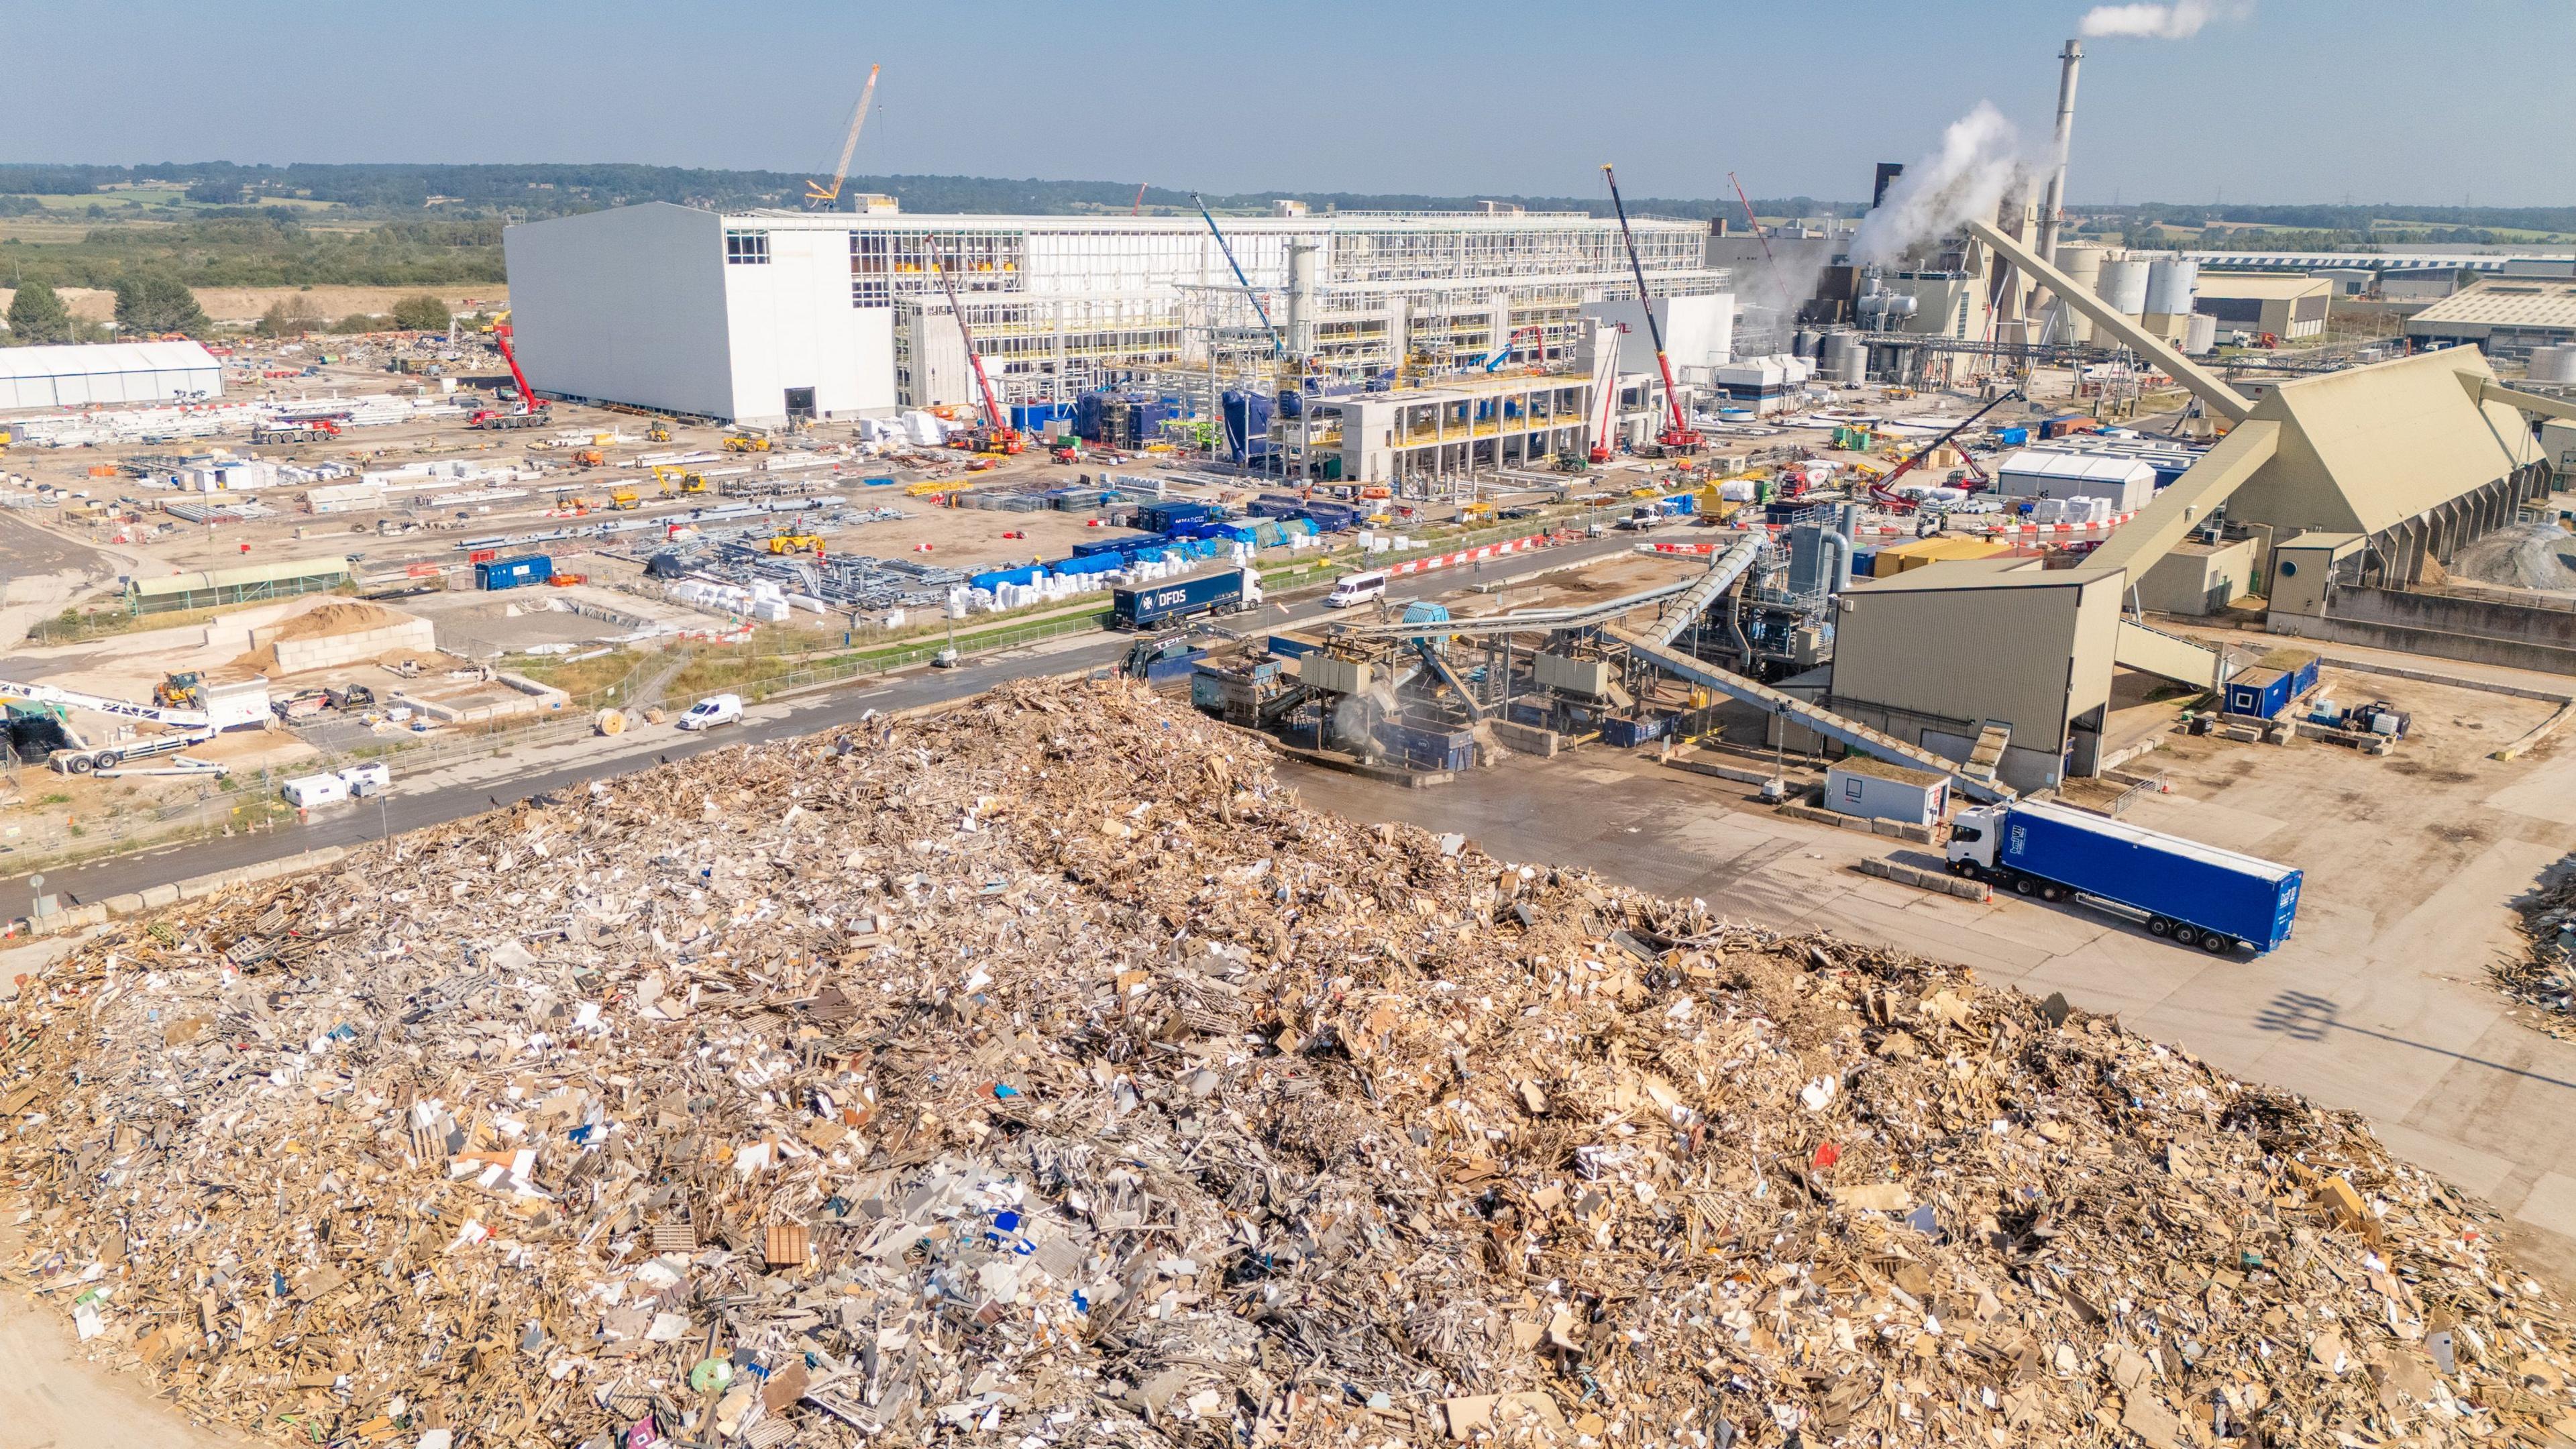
x=2287, y=305
x=771, y=316
x=2504, y=317
x=107, y=374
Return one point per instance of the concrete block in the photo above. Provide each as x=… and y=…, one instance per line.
x=1527, y=739
x=131, y=903
x=155, y=897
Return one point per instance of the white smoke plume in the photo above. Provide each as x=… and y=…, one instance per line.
x=2180, y=20
x=1981, y=160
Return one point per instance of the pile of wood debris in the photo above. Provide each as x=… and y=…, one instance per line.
x=2544, y=975
x=1043, y=1070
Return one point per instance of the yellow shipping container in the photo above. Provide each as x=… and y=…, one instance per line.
x=1897, y=558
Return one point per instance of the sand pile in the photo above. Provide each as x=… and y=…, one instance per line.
x=322, y=621
x=2520, y=556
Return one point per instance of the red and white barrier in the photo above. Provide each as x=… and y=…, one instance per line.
x=1477, y=554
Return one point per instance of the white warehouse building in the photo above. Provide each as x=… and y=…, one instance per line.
x=772, y=316
x=107, y=374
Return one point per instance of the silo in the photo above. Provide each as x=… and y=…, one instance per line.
x=2124, y=285
x=2169, y=286
x=1804, y=343
x=2553, y=364
x=1845, y=360
x=2084, y=265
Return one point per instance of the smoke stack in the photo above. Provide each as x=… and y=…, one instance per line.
x=1888, y=171
x=2072, y=57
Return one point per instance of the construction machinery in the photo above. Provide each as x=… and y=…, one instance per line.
x=795, y=543
x=678, y=481
x=179, y=691
x=1883, y=490
x=531, y=409
x=1677, y=436
x=819, y=197
x=590, y=457
x=745, y=443
x=1500, y=355
x=195, y=724
x=625, y=500
x=997, y=435
x=658, y=431
x=1068, y=450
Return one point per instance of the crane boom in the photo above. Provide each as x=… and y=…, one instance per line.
x=1885, y=488
x=992, y=410
x=1679, y=435
x=1496, y=358
x=1278, y=344
x=1753, y=221
x=501, y=335
x=815, y=193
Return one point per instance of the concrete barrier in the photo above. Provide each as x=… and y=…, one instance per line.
x=1723, y=772
x=1526, y=739
x=1930, y=880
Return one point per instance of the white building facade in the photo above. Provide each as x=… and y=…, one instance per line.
x=764, y=317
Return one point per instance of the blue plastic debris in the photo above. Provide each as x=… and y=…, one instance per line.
x=1007, y=1221
x=1005, y=1089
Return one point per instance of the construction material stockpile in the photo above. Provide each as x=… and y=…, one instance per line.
x=1042, y=1071
x=2544, y=975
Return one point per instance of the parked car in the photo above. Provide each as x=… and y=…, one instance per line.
x=714, y=710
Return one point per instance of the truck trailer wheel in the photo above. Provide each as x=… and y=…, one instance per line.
x=2186, y=935
x=2051, y=891
x=110, y=760
x=2218, y=945
x=2024, y=886
x=83, y=764
x=2158, y=926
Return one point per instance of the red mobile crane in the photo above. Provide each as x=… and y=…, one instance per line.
x=1677, y=435
x=1883, y=490
x=998, y=436
x=531, y=411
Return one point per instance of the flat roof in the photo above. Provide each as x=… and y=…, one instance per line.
x=2096, y=467
x=2269, y=870
x=1984, y=573
x=1878, y=769
x=98, y=359
x=1321, y=221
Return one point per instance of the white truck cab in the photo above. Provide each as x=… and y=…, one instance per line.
x=1973, y=835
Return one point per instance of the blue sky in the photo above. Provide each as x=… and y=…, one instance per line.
x=2282, y=100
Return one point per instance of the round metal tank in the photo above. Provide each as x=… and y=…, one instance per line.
x=2084, y=264
x=2554, y=364
x=2170, y=284
x=1845, y=360
x=1804, y=343
x=2124, y=286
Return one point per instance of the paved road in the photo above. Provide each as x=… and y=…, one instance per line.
x=785, y=719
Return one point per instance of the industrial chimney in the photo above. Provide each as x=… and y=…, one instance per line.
x=2071, y=57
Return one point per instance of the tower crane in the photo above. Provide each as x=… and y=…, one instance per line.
x=1677, y=435
x=820, y=197
x=1000, y=435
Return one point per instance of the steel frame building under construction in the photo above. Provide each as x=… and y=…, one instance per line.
x=766, y=316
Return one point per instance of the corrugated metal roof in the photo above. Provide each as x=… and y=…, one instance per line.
x=2089, y=467
x=101, y=358
x=2266, y=286
x=2370, y=447
x=232, y=578
x=2506, y=302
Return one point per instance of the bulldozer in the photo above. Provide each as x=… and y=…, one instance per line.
x=795, y=543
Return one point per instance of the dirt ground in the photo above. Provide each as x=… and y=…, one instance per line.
x=52, y=1398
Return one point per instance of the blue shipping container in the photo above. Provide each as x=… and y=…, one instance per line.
x=2214, y=890
x=510, y=573
x=2261, y=693
x=2012, y=437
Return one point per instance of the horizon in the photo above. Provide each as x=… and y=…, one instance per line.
x=1158, y=94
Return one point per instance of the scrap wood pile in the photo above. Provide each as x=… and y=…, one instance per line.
x=2544, y=975
x=1042, y=1073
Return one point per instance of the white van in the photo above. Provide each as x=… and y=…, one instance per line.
x=1357, y=589
x=715, y=709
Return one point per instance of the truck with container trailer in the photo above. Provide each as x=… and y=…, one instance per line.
x=2187, y=892
x=1227, y=590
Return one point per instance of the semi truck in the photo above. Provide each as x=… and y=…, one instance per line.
x=1226, y=590
x=2187, y=892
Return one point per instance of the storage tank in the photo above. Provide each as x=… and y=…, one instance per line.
x=1803, y=344
x=2124, y=286
x=2554, y=364
x=2199, y=335
x=1845, y=360
x=2169, y=286
x=2084, y=264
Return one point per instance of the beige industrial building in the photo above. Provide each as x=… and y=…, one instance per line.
x=2504, y=317
x=2287, y=305
x=2405, y=461
x=2198, y=578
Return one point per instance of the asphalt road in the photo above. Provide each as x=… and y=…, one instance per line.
x=398, y=811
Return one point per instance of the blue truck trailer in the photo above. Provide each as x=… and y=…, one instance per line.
x=2190, y=893
x=1168, y=601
